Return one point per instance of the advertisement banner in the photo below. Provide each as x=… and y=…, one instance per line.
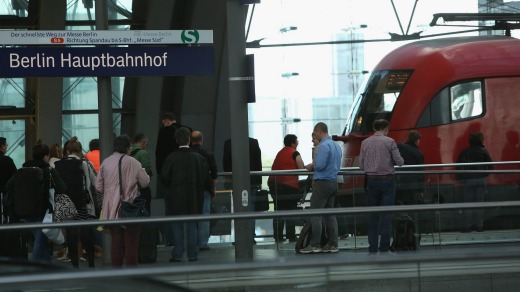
x=106, y=61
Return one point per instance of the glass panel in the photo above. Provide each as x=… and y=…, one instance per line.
x=85, y=10
x=80, y=93
x=12, y=92
x=85, y=127
x=466, y=100
x=14, y=132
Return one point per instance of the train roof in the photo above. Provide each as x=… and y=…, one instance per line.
x=460, y=57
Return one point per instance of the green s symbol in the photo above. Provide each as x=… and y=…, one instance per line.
x=190, y=36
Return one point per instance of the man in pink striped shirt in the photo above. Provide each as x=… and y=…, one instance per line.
x=379, y=154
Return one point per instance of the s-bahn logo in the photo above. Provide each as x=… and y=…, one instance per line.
x=190, y=36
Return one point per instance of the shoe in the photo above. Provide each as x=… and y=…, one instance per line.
x=293, y=239
x=330, y=248
x=310, y=249
x=344, y=236
x=203, y=248
x=193, y=259
x=279, y=240
x=466, y=230
x=67, y=259
x=83, y=257
x=169, y=243
x=172, y=260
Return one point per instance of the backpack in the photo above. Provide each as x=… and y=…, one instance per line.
x=404, y=234
x=71, y=171
x=304, y=239
x=27, y=194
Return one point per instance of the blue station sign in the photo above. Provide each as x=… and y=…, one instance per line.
x=106, y=61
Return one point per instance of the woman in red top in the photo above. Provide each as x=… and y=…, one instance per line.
x=285, y=189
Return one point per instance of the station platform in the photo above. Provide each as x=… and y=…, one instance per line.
x=477, y=261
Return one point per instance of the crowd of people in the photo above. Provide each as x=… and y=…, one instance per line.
x=187, y=174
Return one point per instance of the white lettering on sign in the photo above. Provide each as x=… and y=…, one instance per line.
x=38, y=61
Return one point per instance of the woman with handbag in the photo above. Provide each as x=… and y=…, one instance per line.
x=79, y=176
x=121, y=167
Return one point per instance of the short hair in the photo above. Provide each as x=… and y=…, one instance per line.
x=413, y=136
x=55, y=151
x=322, y=127
x=122, y=144
x=197, y=138
x=3, y=141
x=476, y=139
x=39, y=151
x=74, y=146
x=289, y=139
x=380, y=124
x=140, y=137
x=93, y=145
x=182, y=136
x=168, y=116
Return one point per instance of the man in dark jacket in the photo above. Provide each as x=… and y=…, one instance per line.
x=209, y=192
x=475, y=186
x=166, y=144
x=411, y=186
x=185, y=174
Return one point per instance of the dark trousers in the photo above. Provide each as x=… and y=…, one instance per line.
x=125, y=245
x=284, y=198
x=85, y=235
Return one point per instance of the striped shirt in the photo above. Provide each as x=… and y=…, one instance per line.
x=379, y=154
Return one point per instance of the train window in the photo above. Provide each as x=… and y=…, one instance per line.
x=378, y=98
x=438, y=111
x=466, y=100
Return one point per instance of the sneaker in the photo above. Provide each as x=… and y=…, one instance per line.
x=310, y=249
x=83, y=257
x=66, y=259
x=330, y=248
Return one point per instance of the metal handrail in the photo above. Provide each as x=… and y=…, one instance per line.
x=268, y=215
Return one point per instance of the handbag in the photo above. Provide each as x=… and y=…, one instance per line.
x=54, y=234
x=64, y=208
x=131, y=209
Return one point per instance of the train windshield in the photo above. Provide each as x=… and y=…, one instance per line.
x=377, y=100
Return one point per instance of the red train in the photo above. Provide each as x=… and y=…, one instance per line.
x=444, y=88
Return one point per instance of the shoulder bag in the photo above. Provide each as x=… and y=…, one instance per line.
x=131, y=209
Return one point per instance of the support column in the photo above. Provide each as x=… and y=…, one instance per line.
x=106, y=136
x=236, y=44
x=49, y=90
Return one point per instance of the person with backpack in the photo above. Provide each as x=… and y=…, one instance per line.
x=79, y=177
x=475, y=187
x=28, y=196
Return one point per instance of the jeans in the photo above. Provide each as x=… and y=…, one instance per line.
x=178, y=229
x=474, y=191
x=203, y=226
x=380, y=192
x=41, y=249
x=323, y=196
